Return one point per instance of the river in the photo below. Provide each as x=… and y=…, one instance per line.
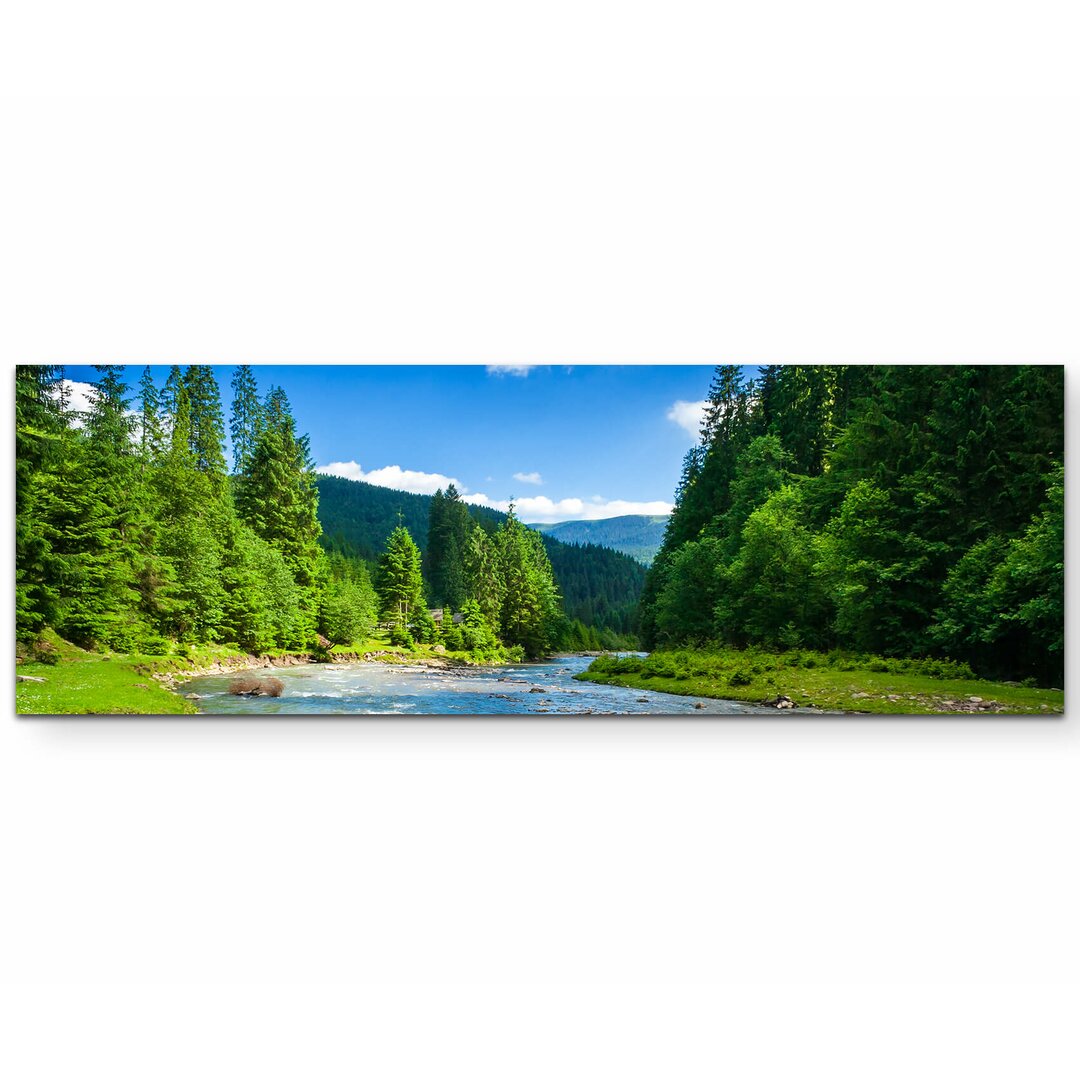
x=396, y=690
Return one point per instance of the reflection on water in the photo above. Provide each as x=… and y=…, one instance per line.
x=387, y=690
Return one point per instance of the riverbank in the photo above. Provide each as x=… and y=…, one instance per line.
x=535, y=688
x=61, y=679
x=828, y=682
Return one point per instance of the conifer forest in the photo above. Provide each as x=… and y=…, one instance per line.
x=876, y=519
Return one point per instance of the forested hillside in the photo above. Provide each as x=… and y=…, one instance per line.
x=600, y=588
x=357, y=517
x=636, y=535
x=903, y=511
x=133, y=534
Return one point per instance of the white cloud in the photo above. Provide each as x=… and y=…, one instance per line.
x=528, y=477
x=78, y=396
x=520, y=370
x=80, y=400
x=688, y=415
x=392, y=476
x=540, y=508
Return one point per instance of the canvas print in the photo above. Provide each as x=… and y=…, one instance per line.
x=397, y=540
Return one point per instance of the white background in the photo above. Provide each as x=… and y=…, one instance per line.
x=570, y=182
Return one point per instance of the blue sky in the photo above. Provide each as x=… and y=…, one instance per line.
x=564, y=442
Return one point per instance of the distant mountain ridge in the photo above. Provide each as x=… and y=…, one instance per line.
x=636, y=535
x=600, y=586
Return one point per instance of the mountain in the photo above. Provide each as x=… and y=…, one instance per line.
x=357, y=517
x=636, y=535
x=599, y=586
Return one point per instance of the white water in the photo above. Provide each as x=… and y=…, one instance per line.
x=392, y=690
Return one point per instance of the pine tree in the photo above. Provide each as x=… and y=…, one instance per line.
x=399, y=582
x=531, y=606
x=207, y=426
x=40, y=436
x=245, y=418
x=151, y=434
x=276, y=493
x=483, y=579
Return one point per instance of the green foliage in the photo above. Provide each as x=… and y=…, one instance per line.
x=477, y=634
x=895, y=510
x=245, y=418
x=195, y=611
x=636, y=535
x=482, y=570
x=423, y=626
x=276, y=494
x=684, y=610
x=599, y=586
x=126, y=531
x=398, y=581
x=531, y=610
x=770, y=593
x=447, y=536
x=835, y=682
x=347, y=606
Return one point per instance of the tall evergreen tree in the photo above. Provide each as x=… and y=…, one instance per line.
x=276, y=493
x=531, y=607
x=399, y=582
x=151, y=435
x=245, y=417
x=39, y=440
x=448, y=529
x=207, y=423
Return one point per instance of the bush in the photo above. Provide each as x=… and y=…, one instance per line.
x=401, y=637
x=740, y=678
x=44, y=653
x=256, y=687
x=153, y=645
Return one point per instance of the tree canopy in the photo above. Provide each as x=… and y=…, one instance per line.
x=900, y=510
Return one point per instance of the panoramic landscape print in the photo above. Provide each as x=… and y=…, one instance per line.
x=584, y=540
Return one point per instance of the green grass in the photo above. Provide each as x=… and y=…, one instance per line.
x=107, y=683
x=833, y=682
x=95, y=683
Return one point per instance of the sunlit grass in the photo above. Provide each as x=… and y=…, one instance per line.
x=832, y=682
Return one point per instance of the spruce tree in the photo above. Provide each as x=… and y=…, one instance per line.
x=245, y=417
x=399, y=582
x=531, y=606
x=151, y=435
x=40, y=439
x=207, y=426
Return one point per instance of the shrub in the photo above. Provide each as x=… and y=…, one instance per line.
x=740, y=678
x=255, y=686
x=401, y=637
x=44, y=653
x=153, y=645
